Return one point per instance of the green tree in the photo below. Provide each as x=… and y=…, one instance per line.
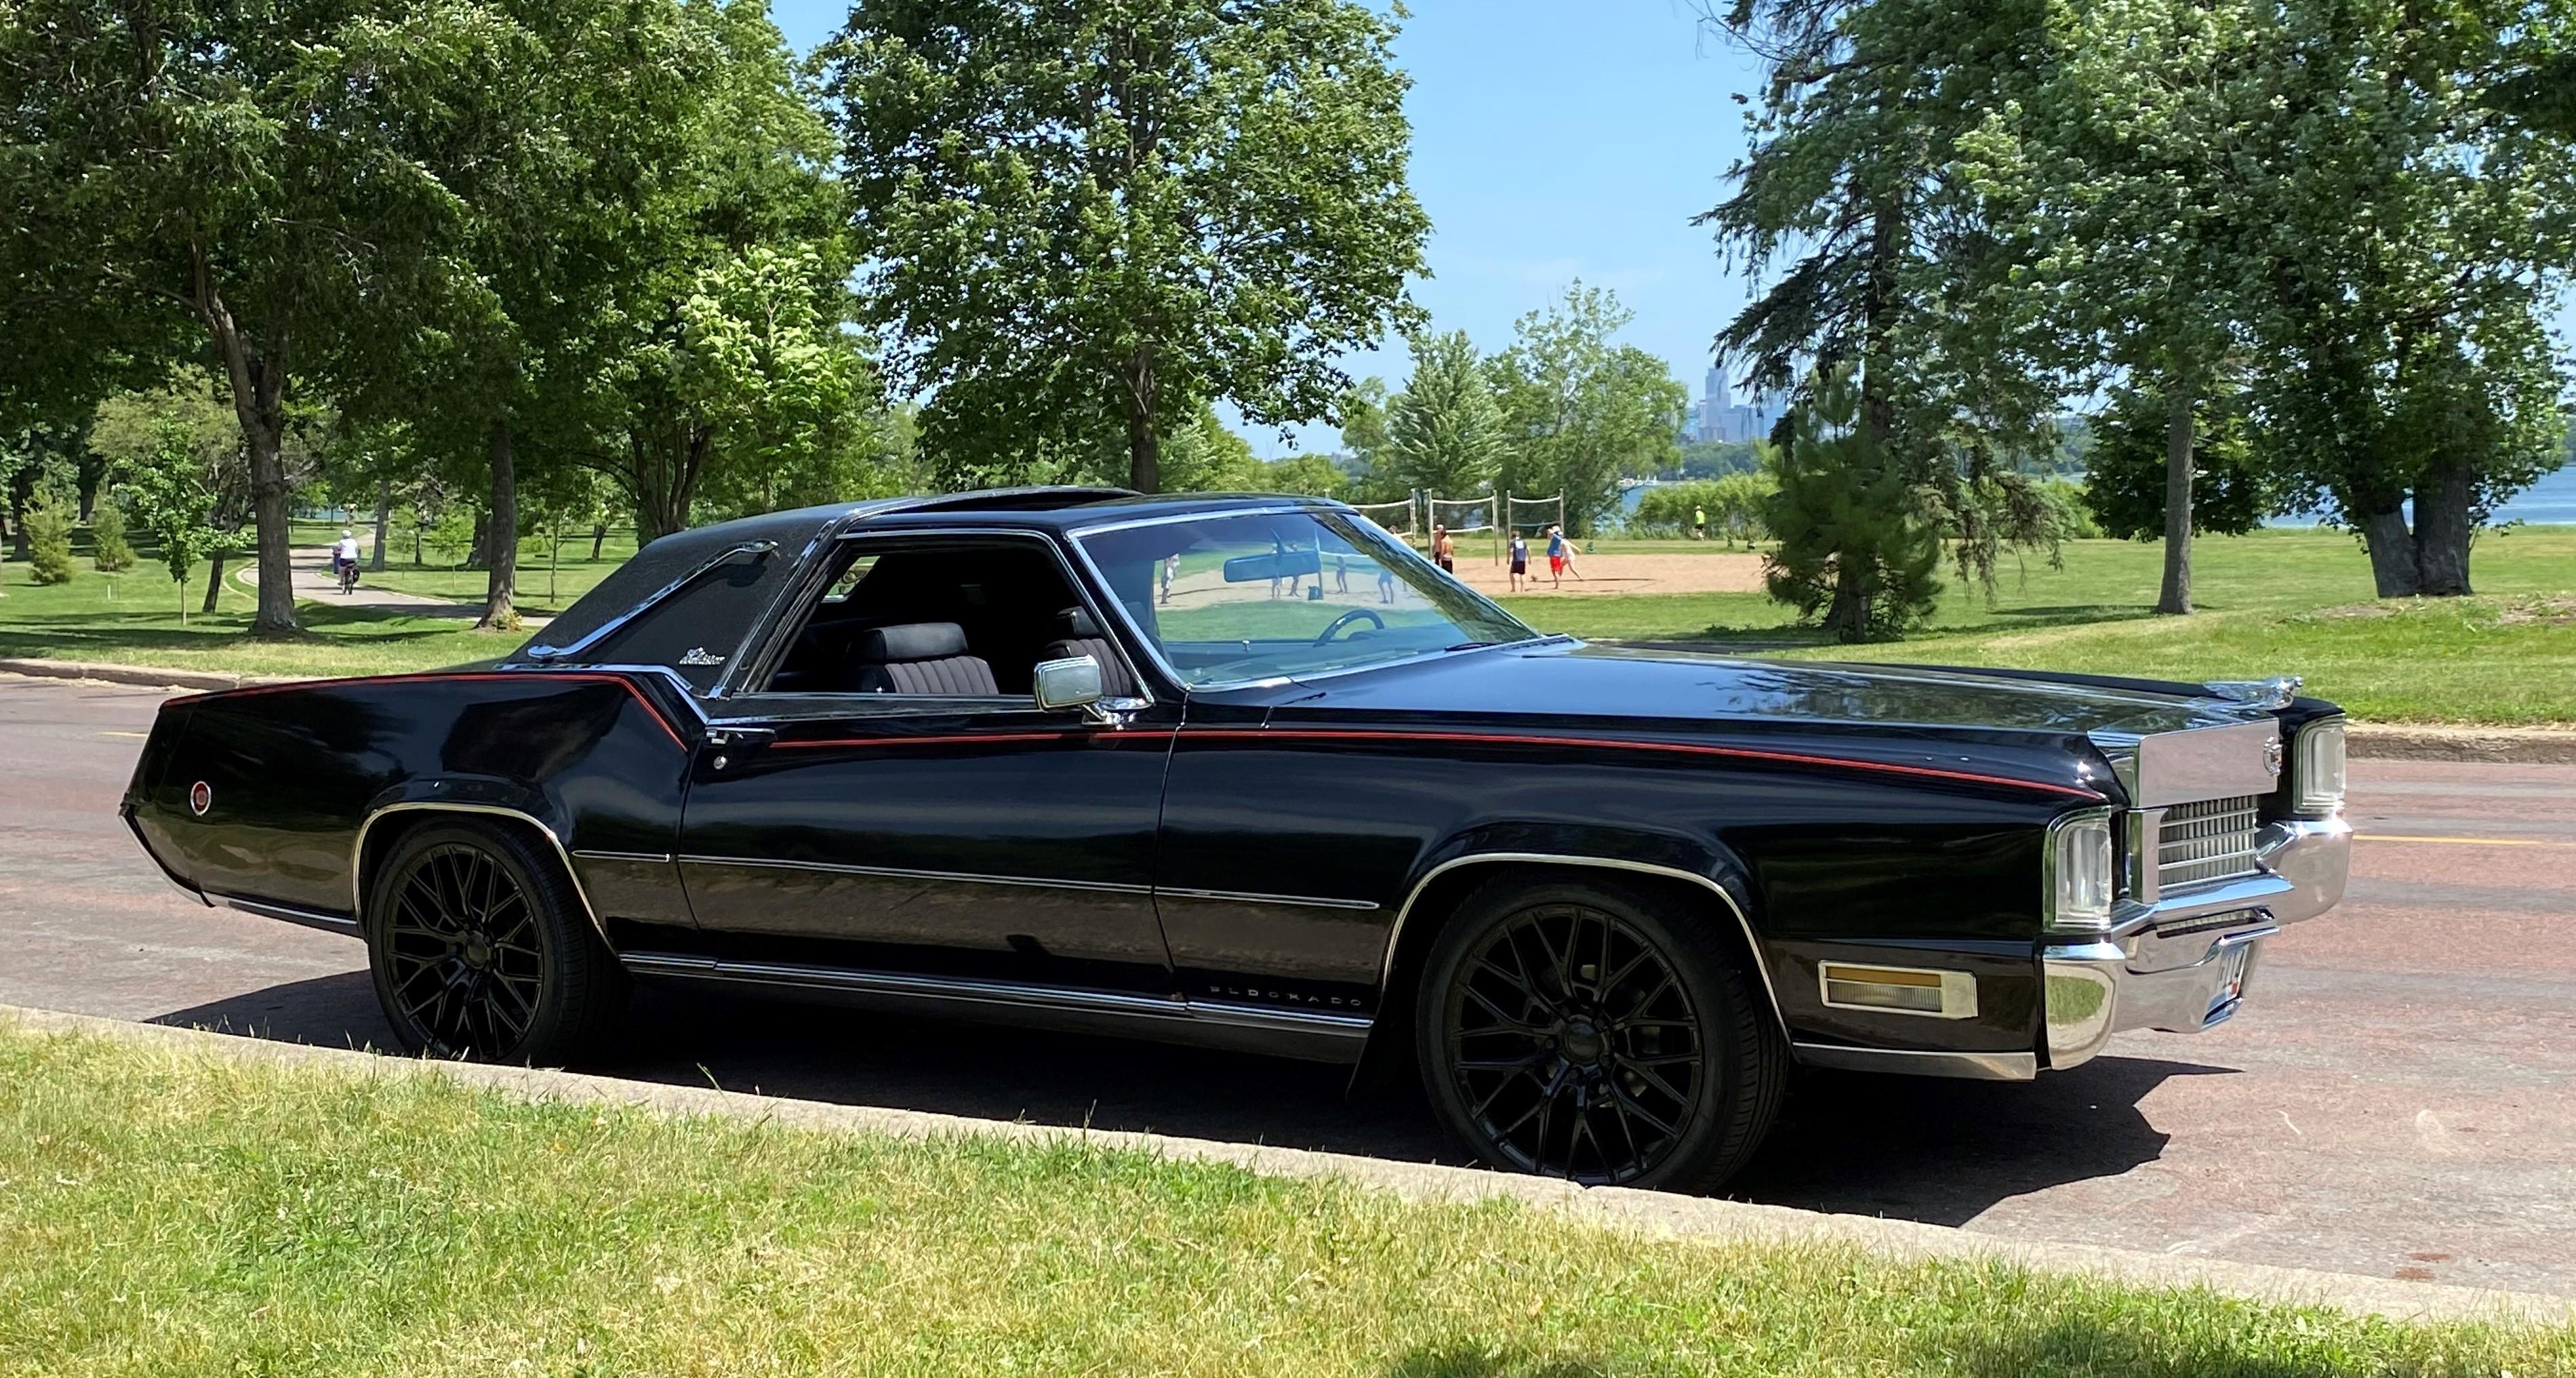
x=1444, y=432
x=1580, y=412
x=277, y=175
x=2234, y=485
x=109, y=550
x=1362, y=409
x=1855, y=550
x=2118, y=185
x=174, y=491
x=1852, y=210
x=2421, y=214
x=1086, y=220
x=49, y=538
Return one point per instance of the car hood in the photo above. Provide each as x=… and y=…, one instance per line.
x=1568, y=680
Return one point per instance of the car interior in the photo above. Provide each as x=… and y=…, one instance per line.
x=954, y=618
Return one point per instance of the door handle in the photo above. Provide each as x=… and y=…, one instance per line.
x=727, y=743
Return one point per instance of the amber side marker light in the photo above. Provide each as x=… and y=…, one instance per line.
x=1899, y=990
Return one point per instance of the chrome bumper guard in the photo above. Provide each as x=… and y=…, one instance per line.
x=2182, y=963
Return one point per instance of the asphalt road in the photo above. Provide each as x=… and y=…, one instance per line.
x=2398, y=1099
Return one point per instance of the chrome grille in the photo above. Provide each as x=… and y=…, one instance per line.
x=2207, y=840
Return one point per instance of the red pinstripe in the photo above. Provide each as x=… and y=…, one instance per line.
x=434, y=676
x=1676, y=748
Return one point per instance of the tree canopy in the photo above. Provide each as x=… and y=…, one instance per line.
x=1086, y=220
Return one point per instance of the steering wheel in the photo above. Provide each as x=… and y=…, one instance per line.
x=1325, y=636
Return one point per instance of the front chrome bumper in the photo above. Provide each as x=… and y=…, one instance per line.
x=2182, y=963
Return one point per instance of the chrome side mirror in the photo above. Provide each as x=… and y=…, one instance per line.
x=1073, y=682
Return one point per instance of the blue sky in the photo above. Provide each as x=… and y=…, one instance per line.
x=1553, y=139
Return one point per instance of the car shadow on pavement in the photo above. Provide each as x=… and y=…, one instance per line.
x=1941, y=1152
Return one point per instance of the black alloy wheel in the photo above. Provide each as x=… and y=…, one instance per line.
x=481, y=949
x=1596, y=1032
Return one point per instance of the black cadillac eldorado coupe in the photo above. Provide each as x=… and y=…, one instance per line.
x=1248, y=771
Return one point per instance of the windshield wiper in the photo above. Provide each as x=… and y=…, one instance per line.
x=1471, y=645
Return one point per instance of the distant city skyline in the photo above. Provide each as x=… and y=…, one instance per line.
x=1554, y=142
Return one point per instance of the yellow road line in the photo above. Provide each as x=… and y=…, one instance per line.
x=2463, y=841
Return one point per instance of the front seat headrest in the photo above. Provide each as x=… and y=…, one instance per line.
x=912, y=641
x=1076, y=622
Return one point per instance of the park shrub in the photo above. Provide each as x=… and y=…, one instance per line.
x=108, y=547
x=1734, y=506
x=49, y=540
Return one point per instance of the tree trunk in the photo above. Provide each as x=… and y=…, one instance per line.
x=257, y=373
x=598, y=538
x=384, y=520
x=2442, y=531
x=1144, y=447
x=22, y=491
x=214, y=580
x=502, y=537
x=478, y=551
x=2392, y=552
x=2176, y=596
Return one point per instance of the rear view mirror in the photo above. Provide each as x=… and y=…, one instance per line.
x=1073, y=682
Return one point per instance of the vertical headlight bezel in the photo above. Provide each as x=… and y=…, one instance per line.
x=2317, y=769
x=2080, y=886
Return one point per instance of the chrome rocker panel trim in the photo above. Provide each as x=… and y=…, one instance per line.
x=1914, y=1063
x=2164, y=966
x=1314, y=1034
x=310, y=918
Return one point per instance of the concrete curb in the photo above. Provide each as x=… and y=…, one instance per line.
x=152, y=675
x=1650, y=1213
x=2496, y=745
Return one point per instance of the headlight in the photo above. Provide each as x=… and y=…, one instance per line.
x=2316, y=779
x=2080, y=882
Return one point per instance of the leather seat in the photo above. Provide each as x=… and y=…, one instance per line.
x=1077, y=635
x=921, y=658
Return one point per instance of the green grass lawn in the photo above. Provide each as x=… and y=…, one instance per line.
x=2296, y=602
x=168, y=1213
x=133, y=618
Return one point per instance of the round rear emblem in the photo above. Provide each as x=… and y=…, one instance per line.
x=201, y=797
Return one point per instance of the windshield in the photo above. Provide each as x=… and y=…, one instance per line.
x=1250, y=596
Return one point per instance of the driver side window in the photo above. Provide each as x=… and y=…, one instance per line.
x=939, y=618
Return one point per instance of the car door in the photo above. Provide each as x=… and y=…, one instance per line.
x=946, y=837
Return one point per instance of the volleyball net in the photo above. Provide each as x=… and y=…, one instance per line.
x=1534, y=514
x=1400, y=518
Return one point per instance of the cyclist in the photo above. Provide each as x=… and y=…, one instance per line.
x=344, y=560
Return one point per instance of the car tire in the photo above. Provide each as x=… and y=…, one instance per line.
x=1598, y=1031
x=482, y=949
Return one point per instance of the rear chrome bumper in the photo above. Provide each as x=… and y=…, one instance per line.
x=2182, y=963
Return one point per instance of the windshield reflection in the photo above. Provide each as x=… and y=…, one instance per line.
x=1245, y=596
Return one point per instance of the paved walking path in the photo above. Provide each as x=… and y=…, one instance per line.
x=314, y=582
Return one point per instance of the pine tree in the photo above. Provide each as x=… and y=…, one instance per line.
x=1854, y=547
x=108, y=548
x=49, y=540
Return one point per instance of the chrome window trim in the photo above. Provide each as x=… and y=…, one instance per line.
x=610, y=627
x=1752, y=942
x=1154, y=652
x=771, y=628
x=905, y=873
x=358, y=852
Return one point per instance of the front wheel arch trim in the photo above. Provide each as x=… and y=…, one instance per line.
x=358, y=854
x=1753, y=949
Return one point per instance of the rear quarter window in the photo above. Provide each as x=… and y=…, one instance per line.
x=697, y=630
